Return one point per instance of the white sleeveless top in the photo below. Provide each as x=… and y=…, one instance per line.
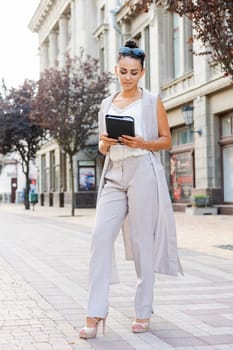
x=119, y=152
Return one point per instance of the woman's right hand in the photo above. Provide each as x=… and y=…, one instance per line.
x=106, y=142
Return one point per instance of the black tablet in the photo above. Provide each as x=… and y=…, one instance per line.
x=117, y=126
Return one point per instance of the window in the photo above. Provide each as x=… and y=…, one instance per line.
x=181, y=175
x=86, y=175
x=101, y=36
x=43, y=174
x=63, y=186
x=182, y=136
x=147, y=50
x=101, y=59
x=102, y=15
x=138, y=39
x=227, y=125
x=226, y=142
x=228, y=173
x=188, y=45
x=176, y=45
x=182, y=164
x=69, y=30
x=52, y=171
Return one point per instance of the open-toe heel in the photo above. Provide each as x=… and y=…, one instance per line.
x=140, y=327
x=91, y=332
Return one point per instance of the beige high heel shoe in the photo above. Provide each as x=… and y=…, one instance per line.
x=91, y=332
x=140, y=327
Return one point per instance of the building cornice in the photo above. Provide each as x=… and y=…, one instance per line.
x=100, y=30
x=127, y=12
x=208, y=88
x=124, y=14
x=39, y=15
x=47, y=15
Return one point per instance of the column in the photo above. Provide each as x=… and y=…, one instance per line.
x=62, y=39
x=52, y=48
x=188, y=47
x=167, y=61
x=44, y=59
x=201, y=64
x=201, y=112
x=73, y=28
x=157, y=50
x=83, y=25
x=182, y=46
x=125, y=30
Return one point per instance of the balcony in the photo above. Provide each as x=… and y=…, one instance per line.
x=178, y=86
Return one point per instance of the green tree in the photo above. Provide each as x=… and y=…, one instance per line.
x=67, y=104
x=17, y=131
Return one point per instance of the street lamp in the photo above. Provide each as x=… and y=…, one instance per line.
x=187, y=112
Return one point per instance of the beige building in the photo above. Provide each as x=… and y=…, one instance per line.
x=65, y=26
x=201, y=160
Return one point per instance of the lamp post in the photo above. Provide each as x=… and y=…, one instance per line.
x=187, y=112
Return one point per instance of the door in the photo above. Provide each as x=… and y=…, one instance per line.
x=228, y=173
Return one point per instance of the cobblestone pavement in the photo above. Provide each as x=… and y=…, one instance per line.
x=43, y=285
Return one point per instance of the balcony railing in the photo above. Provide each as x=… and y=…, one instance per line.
x=178, y=85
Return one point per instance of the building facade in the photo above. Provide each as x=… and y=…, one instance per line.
x=66, y=26
x=12, y=178
x=193, y=87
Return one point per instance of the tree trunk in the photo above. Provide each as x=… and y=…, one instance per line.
x=27, y=190
x=72, y=185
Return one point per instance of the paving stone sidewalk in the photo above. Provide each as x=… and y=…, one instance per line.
x=43, y=286
x=28, y=321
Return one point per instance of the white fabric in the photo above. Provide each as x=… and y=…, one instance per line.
x=134, y=109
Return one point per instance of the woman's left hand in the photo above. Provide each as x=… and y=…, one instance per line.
x=132, y=141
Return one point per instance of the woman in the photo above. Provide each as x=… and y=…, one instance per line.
x=133, y=194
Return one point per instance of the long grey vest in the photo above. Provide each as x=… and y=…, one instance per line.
x=165, y=248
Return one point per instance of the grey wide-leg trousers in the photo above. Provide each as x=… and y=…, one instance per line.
x=131, y=188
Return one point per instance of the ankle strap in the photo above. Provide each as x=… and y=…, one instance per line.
x=96, y=319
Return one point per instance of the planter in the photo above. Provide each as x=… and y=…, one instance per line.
x=201, y=211
x=200, y=201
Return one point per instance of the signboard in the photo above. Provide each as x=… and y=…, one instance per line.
x=86, y=176
x=181, y=175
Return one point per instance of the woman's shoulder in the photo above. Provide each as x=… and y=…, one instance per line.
x=150, y=96
x=108, y=98
x=106, y=102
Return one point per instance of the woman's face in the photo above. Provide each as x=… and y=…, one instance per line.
x=129, y=71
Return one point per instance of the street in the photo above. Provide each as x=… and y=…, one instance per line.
x=44, y=274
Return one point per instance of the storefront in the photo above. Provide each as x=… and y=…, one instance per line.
x=182, y=165
x=181, y=175
x=86, y=175
x=226, y=143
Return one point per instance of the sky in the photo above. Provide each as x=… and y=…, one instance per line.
x=19, y=55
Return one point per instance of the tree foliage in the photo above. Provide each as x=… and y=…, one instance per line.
x=68, y=101
x=17, y=131
x=212, y=23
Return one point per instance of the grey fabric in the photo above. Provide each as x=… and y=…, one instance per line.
x=125, y=192
x=166, y=259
